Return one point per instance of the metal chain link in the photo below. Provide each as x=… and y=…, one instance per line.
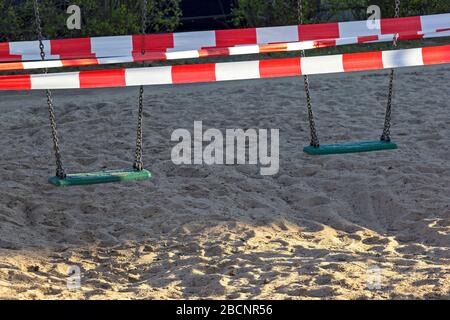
x=144, y=16
x=60, y=173
x=386, y=136
x=138, y=162
x=144, y=24
x=312, y=125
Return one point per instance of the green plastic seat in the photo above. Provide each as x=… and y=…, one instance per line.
x=81, y=179
x=350, y=147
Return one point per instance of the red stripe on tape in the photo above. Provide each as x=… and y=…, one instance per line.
x=11, y=66
x=436, y=55
x=152, y=42
x=324, y=43
x=362, y=61
x=16, y=82
x=72, y=48
x=149, y=56
x=194, y=73
x=398, y=25
x=79, y=62
x=102, y=78
x=5, y=56
x=280, y=68
x=410, y=36
x=267, y=48
x=367, y=38
x=318, y=31
x=213, y=52
x=230, y=38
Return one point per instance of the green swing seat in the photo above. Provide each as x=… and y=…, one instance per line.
x=82, y=179
x=350, y=147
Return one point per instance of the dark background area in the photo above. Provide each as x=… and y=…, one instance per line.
x=206, y=14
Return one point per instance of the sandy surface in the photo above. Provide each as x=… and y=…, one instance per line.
x=315, y=230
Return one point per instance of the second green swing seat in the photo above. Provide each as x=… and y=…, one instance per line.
x=350, y=147
x=82, y=179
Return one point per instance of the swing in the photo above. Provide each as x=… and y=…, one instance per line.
x=350, y=147
x=121, y=175
x=385, y=143
x=61, y=179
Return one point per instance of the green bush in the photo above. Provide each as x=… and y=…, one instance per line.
x=256, y=13
x=99, y=18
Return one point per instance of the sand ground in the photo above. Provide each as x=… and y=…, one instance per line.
x=316, y=230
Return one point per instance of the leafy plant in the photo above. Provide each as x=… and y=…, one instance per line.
x=99, y=18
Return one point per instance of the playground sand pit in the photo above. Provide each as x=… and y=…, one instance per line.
x=360, y=226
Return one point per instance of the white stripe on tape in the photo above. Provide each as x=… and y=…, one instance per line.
x=402, y=58
x=345, y=41
x=69, y=80
x=250, y=49
x=29, y=50
x=193, y=40
x=324, y=64
x=437, y=34
x=359, y=29
x=112, y=60
x=237, y=70
x=148, y=76
x=304, y=45
x=107, y=46
x=277, y=34
x=42, y=64
x=182, y=55
x=434, y=22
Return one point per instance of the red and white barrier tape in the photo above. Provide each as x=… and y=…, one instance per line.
x=101, y=47
x=230, y=70
x=213, y=52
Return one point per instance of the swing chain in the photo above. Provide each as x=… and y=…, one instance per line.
x=138, y=162
x=60, y=173
x=396, y=15
x=144, y=16
x=312, y=125
x=386, y=136
x=144, y=24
